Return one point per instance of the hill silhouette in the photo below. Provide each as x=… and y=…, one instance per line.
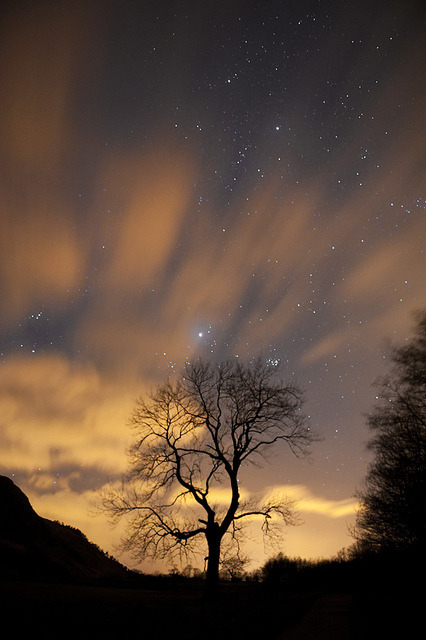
x=35, y=548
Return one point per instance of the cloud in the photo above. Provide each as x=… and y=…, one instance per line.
x=42, y=263
x=308, y=502
x=153, y=191
x=374, y=275
x=327, y=346
x=156, y=287
x=56, y=415
x=41, y=63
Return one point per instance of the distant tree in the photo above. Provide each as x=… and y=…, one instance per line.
x=188, y=571
x=192, y=436
x=392, y=513
x=234, y=566
x=280, y=568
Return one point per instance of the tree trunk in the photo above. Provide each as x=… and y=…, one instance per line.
x=212, y=574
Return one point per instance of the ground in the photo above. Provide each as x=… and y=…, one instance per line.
x=240, y=611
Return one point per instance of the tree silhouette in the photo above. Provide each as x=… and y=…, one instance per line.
x=192, y=437
x=392, y=514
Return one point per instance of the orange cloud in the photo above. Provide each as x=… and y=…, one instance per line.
x=308, y=502
x=40, y=65
x=153, y=192
x=56, y=414
x=41, y=260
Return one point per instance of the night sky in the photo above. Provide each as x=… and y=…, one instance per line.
x=217, y=179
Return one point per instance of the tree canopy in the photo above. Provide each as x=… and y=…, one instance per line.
x=192, y=438
x=393, y=501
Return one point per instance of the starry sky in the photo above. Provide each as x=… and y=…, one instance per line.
x=216, y=179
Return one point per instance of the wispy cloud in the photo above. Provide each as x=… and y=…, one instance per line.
x=309, y=502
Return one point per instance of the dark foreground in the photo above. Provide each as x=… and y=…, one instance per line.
x=240, y=611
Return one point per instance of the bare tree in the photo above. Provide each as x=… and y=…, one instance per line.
x=193, y=436
x=234, y=566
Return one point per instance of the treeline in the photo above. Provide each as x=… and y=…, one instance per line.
x=365, y=575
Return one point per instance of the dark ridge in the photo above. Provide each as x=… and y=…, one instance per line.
x=35, y=548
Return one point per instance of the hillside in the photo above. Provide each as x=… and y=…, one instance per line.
x=35, y=548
